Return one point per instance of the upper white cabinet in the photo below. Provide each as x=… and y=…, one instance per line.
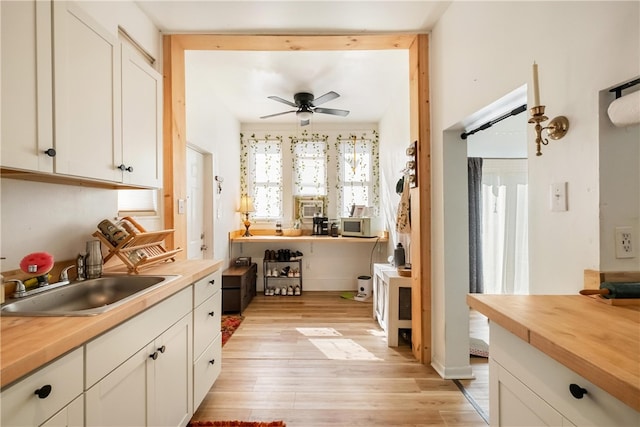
x=87, y=105
x=141, y=98
x=27, y=117
x=70, y=85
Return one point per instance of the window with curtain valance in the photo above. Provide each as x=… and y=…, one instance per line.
x=344, y=173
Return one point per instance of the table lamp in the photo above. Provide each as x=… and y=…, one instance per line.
x=246, y=206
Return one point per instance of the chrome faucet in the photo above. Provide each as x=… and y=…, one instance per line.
x=21, y=290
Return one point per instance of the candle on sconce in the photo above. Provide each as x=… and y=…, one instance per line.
x=536, y=87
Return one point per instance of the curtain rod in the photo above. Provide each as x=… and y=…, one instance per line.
x=487, y=125
x=618, y=89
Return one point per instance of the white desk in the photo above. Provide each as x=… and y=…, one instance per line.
x=386, y=300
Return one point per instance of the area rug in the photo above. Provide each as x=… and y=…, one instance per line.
x=237, y=424
x=229, y=324
x=478, y=347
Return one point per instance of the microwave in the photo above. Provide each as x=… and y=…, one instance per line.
x=356, y=227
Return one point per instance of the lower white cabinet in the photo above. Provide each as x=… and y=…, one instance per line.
x=45, y=393
x=151, y=384
x=71, y=415
x=207, y=339
x=529, y=388
x=150, y=388
x=143, y=372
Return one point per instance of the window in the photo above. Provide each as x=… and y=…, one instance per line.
x=357, y=166
x=262, y=176
x=137, y=202
x=309, y=166
x=277, y=170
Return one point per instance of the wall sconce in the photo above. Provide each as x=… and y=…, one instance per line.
x=246, y=206
x=557, y=127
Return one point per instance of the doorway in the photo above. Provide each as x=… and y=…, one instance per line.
x=199, y=204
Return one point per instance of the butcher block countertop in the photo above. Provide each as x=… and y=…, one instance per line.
x=598, y=341
x=27, y=343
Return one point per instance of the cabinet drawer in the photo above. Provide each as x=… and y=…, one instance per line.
x=206, y=323
x=206, y=287
x=550, y=380
x=206, y=370
x=112, y=348
x=20, y=405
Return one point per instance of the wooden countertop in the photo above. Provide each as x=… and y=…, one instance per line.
x=309, y=238
x=596, y=340
x=30, y=342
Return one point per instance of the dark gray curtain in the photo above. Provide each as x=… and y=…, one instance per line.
x=475, y=225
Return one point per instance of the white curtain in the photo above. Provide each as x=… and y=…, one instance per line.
x=504, y=225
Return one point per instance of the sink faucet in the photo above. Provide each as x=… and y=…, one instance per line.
x=21, y=290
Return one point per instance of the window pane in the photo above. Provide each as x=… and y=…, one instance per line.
x=267, y=202
x=309, y=165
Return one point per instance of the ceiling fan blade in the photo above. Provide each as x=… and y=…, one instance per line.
x=324, y=98
x=278, y=114
x=304, y=122
x=284, y=101
x=333, y=111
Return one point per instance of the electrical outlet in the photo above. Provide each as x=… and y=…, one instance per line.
x=624, y=242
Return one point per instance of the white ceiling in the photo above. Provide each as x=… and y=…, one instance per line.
x=369, y=82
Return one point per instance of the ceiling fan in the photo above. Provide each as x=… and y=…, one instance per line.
x=306, y=105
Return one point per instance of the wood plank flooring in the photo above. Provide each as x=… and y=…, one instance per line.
x=337, y=372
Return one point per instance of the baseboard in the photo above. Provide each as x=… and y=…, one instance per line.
x=453, y=372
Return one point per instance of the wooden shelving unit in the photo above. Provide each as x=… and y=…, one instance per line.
x=140, y=248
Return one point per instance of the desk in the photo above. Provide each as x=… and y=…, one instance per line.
x=391, y=312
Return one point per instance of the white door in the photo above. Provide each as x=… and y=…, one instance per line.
x=195, y=204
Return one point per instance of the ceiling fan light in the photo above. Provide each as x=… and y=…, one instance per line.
x=304, y=115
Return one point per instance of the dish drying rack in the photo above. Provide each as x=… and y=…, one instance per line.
x=140, y=248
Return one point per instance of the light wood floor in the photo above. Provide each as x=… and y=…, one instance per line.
x=272, y=370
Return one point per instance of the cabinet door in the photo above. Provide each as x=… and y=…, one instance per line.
x=87, y=104
x=514, y=404
x=206, y=323
x=26, y=75
x=58, y=383
x=141, y=121
x=120, y=398
x=171, y=377
x=70, y=416
x=206, y=370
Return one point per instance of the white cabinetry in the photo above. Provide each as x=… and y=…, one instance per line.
x=207, y=339
x=386, y=301
x=49, y=391
x=87, y=102
x=140, y=373
x=27, y=118
x=104, y=121
x=141, y=97
x=527, y=387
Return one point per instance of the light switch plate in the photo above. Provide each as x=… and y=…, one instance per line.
x=558, y=194
x=181, y=203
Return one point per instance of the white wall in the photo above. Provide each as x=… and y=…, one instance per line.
x=619, y=173
x=394, y=139
x=213, y=130
x=481, y=51
x=59, y=218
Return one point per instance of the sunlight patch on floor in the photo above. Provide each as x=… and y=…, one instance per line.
x=376, y=332
x=343, y=349
x=319, y=332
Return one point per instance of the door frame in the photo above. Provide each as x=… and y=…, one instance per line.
x=174, y=134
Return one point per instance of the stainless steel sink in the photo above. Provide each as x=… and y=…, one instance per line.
x=85, y=298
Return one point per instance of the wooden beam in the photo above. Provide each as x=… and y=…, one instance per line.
x=174, y=144
x=421, y=200
x=294, y=43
